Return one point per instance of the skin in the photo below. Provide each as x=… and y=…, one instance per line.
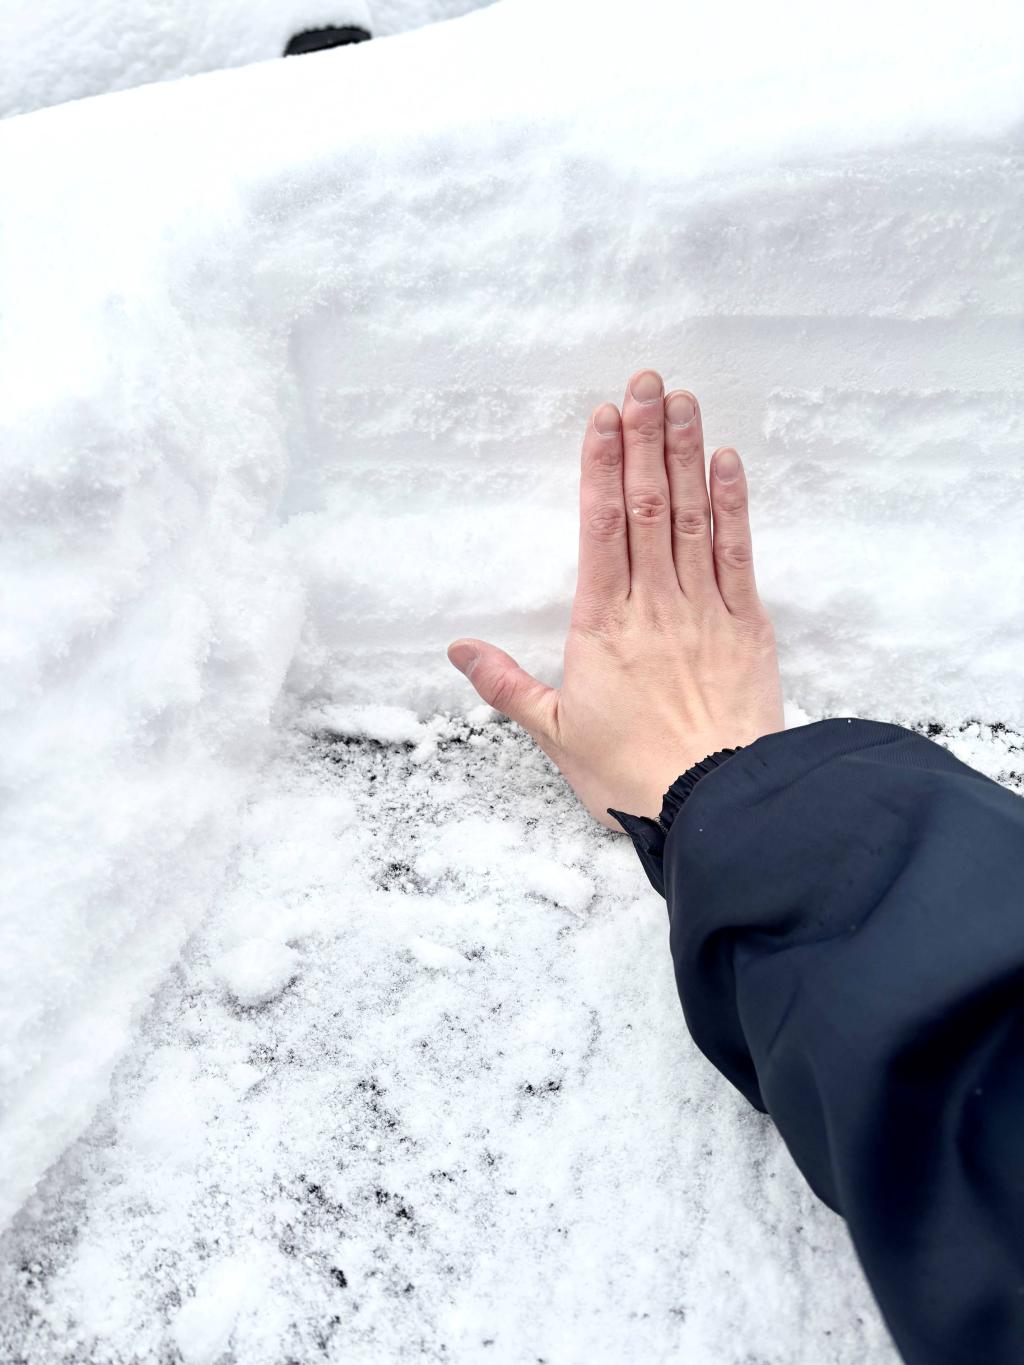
x=670, y=653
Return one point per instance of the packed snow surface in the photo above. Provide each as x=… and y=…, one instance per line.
x=294, y=362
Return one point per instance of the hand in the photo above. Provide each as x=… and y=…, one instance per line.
x=670, y=654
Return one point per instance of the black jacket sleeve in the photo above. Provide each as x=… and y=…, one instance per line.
x=847, y=924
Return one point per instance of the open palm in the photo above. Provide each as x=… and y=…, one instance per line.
x=670, y=653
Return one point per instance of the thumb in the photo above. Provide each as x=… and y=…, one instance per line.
x=504, y=685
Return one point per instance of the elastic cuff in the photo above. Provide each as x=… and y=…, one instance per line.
x=684, y=785
x=649, y=835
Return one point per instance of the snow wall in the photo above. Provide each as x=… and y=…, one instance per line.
x=294, y=365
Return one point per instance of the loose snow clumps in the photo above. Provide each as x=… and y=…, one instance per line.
x=258, y=970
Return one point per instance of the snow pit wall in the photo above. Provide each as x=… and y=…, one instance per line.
x=294, y=371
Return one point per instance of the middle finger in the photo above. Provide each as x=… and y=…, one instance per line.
x=645, y=485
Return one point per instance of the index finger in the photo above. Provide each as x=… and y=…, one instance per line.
x=603, y=576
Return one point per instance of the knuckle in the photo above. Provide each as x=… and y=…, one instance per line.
x=658, y=612
x=607, y=522
x=503, y=694
x=604, y=625
x=606, y=455
x=647, y=506
x=690, y=522
x=732, y=503
x=735, y=554
x=687, y=454
x=758, y=631
x=648, y=430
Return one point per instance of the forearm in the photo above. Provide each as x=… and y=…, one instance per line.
x=847, y=927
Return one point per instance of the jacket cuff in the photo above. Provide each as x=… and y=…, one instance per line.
x=682, y=787
x=648, y=835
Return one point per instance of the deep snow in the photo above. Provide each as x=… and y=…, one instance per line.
x=67, y=50
x=293, y=369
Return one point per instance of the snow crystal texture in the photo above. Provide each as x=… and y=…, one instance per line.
x=294, y=362
x=66, y=50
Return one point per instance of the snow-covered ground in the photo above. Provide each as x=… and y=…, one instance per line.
x=459, y=1120
x=294, y=362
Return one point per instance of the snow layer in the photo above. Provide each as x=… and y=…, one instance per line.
x=292, y=377
x=68, y=49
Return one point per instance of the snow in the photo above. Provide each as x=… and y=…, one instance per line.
x=480, y=847
x=202, y=1330
x=67, y=50
x=386, y=724
x=307, y=959
x=475, y=1117
x=258, y=970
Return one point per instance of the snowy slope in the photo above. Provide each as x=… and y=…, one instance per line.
x=292, y=374
x=66, y=49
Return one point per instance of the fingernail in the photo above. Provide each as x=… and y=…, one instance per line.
x=680, y=410
x=464, y=657
x=646, y=387
x=727, y=466
x=606, y=420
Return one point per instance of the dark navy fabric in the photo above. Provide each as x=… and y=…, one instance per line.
x=847, y=924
